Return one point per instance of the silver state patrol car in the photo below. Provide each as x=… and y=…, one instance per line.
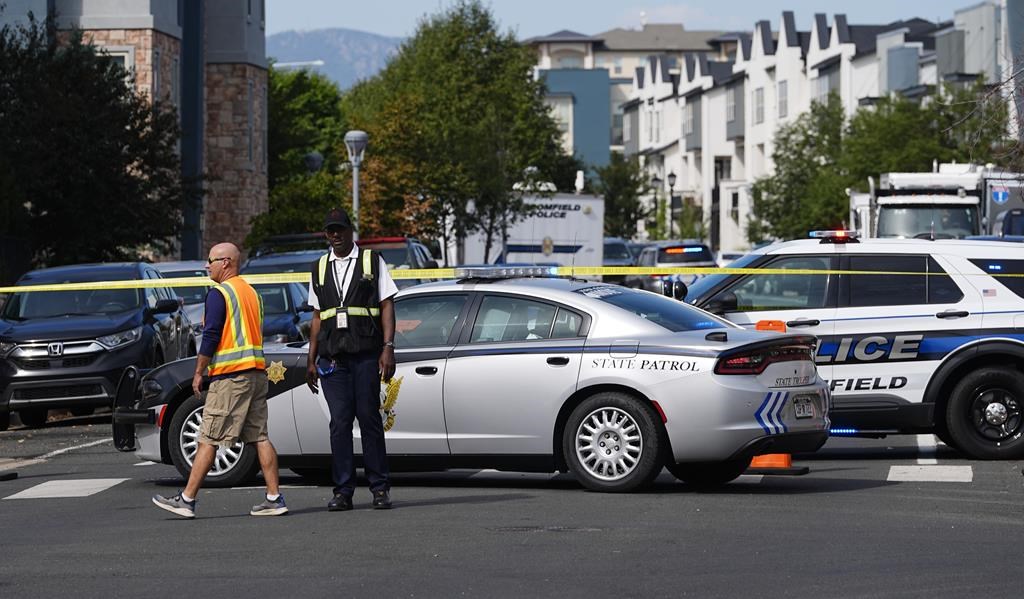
x=532, y=374
x=915, y=336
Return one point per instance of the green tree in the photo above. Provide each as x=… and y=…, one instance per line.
x=304, y=116
x=971, y=122
x=690, y=222
x=807, y=189
x=89, y=169
x=622, y=183
x=479, y=123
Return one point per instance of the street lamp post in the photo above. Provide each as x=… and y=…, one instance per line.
x=671, y=202
x=355, y=143
x=656, y=184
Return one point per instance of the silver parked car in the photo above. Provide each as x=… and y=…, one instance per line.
x=533, y=374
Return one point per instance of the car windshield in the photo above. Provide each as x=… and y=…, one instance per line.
x=191, y=295
x=684, y=253
x=614, y=250
x=704, y=284
x=927, y=221
x=666, y=312
x=50, y=304
x=275, y=299
x=395, y=255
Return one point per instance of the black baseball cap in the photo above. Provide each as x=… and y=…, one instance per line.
x=337, y=218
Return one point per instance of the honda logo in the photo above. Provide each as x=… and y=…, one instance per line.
x=55, y=349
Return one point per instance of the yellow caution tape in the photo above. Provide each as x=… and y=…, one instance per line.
x=449, y=273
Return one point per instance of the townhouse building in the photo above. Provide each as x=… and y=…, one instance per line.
x=575, y=66
x=207, y=58
x=711, y=131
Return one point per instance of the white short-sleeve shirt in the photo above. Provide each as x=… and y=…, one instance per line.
x=345, y=267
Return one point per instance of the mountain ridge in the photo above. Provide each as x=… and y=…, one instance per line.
x=349, y=55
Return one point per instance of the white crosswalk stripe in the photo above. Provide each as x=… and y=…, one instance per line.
x=67, y=488
x=932, y=474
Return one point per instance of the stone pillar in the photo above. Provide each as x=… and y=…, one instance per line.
x=236, y=155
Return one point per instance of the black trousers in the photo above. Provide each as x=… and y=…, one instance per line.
x=353, y=390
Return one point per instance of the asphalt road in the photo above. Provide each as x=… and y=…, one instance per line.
x=853, y=527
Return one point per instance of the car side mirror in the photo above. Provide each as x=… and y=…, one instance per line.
x=432, y=264
x=165, y=306
x=722, y=303
x=305, y=308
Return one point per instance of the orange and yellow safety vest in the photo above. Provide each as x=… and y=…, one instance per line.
x=241, y=339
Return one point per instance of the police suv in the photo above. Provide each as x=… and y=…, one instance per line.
x=914, y=336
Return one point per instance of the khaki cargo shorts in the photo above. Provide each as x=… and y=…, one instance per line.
x=236, y=410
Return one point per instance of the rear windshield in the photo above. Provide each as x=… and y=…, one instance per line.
x=666, y=312
x=616, y=251
x=684, y=253
x=191, y=295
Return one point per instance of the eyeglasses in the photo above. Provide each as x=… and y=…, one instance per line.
x=212, y=260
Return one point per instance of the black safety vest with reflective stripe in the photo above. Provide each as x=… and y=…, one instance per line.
x=361, y=304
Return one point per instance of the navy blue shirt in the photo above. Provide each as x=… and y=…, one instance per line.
x=215, y=316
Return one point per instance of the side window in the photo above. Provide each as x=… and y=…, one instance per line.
x=888, y=289
x=422, y=321
x=512, y=319
x=784, y=291
x=941, y=288
x=995, y=268
x=567, y=324
x=647, y=258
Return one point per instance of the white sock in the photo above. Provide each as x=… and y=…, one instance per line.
x=273, y=497
x=186, y=497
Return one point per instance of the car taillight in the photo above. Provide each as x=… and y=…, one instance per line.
x=755, y=361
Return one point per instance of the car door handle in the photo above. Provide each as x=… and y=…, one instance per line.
x=558, y=360
x=803, y=323
x=953, y=314
x=427, y=370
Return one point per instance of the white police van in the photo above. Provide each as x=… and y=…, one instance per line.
x=914, y=336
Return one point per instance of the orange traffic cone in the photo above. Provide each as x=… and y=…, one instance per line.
x=775, y=463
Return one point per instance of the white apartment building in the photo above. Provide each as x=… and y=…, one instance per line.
x=716, y=131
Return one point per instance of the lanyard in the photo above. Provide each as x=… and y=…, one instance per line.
x=341, y=284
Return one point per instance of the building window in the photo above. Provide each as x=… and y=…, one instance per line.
x=561, y=112
x=730, y=104
x=263, y=14
x=156, y=75
x=627, y=129
x=176, y=81
x=657, y=124
x=618, y=65
x=825, y=84
x=122, y=56
x=569, y=61
x=759, y=106
x=783, y=99
x=734, y=208
x=617, y=136
x=688, y=119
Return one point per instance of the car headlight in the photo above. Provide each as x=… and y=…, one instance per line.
x=281, y=338
x=6, y=347
x=120, y=339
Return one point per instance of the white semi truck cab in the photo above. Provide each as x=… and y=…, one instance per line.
x=951, y=202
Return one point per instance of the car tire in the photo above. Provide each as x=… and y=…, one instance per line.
x=612, y=443
x=33, y=417
x=709, y=474
x=985, y=414
x=5, y=420
x=232, y=466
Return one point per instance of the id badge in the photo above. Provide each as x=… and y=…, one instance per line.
x=342, y=319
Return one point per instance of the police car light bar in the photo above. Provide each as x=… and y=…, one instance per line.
x=839, y=236
x=504, y=272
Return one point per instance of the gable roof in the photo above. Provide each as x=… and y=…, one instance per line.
x=767, y=41
x=659, y=37
x=564, y=35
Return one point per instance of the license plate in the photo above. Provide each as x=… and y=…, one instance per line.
x=802, y=407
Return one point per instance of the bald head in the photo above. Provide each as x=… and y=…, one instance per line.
x=223, y=263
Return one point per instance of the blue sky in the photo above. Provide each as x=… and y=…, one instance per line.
x=528, y=18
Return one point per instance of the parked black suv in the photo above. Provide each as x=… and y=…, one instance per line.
x=67, y=349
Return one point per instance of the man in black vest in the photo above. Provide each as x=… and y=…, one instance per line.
x=351, y=348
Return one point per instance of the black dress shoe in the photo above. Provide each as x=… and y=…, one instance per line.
x=339, y=503
x=381, y=500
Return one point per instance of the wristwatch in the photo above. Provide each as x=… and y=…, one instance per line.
x=390, y=344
